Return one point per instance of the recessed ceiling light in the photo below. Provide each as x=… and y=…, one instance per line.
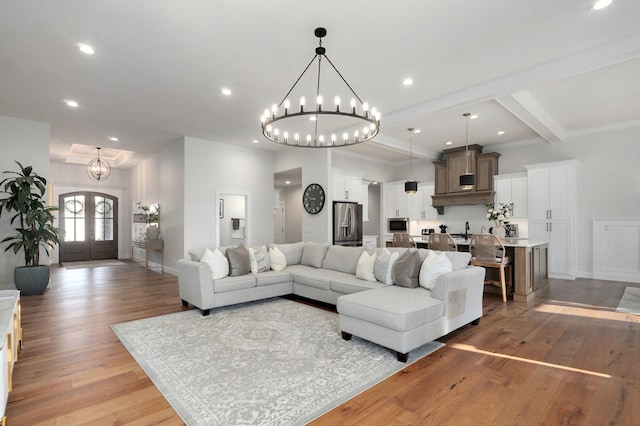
x=474, y=116
x=85, y=48
x=501, y=132
x=312, y=118
x=255, y=141
x=113, y=139
x=417, y=131
x=601, y=4
x=71, y=103
x=407, y=81
x=448, y=143
x=287, y=182
x=226, y=91
x=374, y=183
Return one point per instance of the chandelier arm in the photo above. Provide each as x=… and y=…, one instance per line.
x=296, y=83
x=343, y=79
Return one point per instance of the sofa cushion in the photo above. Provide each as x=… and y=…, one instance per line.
x=277, y=258
x=406, y=270
x=217, y=263
x=393, y=307
x=312, y=277
x=459, y=259
x=228, y=284
x=196, y=254
x=292, y=251
x=432, y=267
x=272, y=277
x=239, y=262
x=365, y=266
x=383, y=267
x=343, y=259
x=313, y=254
x=259, y=258
x=347, y=284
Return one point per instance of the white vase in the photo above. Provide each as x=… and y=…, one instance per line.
x=499, y=231
x=153, y=232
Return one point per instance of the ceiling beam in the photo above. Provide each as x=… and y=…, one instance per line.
x=531, y=112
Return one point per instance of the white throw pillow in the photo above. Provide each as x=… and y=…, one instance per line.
x=432, y=267
x=383, y=268
x=258, y=257
x=278, y=259
x=365, y=268
x=217, y=263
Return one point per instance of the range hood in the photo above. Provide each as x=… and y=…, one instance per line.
x=454, y=164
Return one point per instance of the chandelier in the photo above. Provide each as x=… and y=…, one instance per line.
x=99, y=169
x=467, y=180
x=411, y=186
x=320, y=125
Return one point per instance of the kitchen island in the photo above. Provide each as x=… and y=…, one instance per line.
x=529, y=270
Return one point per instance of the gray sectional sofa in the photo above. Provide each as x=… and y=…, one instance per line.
x=397, y=317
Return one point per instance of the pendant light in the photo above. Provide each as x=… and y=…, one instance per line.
x=411, y=186
x=99, y=169
x=467, y=180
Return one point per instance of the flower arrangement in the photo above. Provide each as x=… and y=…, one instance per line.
x=499, y=214
x=152, y=216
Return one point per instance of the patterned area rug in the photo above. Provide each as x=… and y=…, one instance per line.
x=92, y=263
x=272, y=362
x=630, y=301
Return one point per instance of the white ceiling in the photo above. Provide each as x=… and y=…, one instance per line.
x=539, y=70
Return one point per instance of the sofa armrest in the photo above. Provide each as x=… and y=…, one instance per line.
x=461, y=292
x=195, y=283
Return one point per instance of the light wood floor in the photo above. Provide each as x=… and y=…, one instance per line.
x=569, y=359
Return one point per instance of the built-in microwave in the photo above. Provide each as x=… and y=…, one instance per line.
x=398, y=224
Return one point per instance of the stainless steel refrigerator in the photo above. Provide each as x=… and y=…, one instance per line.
x=347, y=224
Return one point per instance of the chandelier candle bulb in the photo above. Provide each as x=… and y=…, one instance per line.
x=333, y=139
x=353, y=106
x=321, y=138
x=276, y=133
x=287, y=104
x=345, y=137
x=296, y=137
x=302, y=101
x=286, y=137
x=336, y=100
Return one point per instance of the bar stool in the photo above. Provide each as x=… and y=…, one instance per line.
x=402, y=239
x=442, y=242
x=488, y=251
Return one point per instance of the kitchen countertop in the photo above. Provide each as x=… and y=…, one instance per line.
x=508, y=242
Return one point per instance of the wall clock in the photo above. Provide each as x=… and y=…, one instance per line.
x=313, y=198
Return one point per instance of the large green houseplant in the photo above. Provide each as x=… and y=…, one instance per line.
x=24, y=193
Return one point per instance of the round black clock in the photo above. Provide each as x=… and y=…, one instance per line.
x=313, y=198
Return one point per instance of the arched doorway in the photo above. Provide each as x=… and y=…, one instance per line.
x=90, y=224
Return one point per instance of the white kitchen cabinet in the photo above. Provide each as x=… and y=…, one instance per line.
x=370, y=241
x=513, y=188
x=398, y=201
x=10, y=343
x=422, y=203
x=346, y=188
x=552, y=213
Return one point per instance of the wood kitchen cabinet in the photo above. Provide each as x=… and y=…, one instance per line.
x=441, y=175
x=552, y=213
x=486, y=168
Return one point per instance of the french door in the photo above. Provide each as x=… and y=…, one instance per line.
x=90, y=224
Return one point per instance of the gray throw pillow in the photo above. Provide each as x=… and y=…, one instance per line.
x=239, y=261
x=406, y=270
x=313, y=254
x=292, y=252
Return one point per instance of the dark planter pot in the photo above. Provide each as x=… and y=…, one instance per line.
x=31, y=279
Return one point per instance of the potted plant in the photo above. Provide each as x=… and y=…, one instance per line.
x=33, y=220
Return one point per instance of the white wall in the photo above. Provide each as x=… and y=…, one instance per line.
x=212, y=168
x=292, y=197
x=316, y=167
x=25, y=141
x=160, y=179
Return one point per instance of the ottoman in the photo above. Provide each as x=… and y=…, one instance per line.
x=397, y=318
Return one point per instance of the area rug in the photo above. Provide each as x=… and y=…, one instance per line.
x=272, y=362
x=92, y=263
x=630, y=301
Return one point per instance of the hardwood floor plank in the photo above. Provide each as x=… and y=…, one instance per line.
x=566, y=359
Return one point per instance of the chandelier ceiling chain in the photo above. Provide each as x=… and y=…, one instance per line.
x=294, y=136
x=99, y=169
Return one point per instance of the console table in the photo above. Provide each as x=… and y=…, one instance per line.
x=150, y=245
x=10, y=342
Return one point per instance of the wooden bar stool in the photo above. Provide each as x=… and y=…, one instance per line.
x=402, y=239
x=488, y=251
x=442, y=242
